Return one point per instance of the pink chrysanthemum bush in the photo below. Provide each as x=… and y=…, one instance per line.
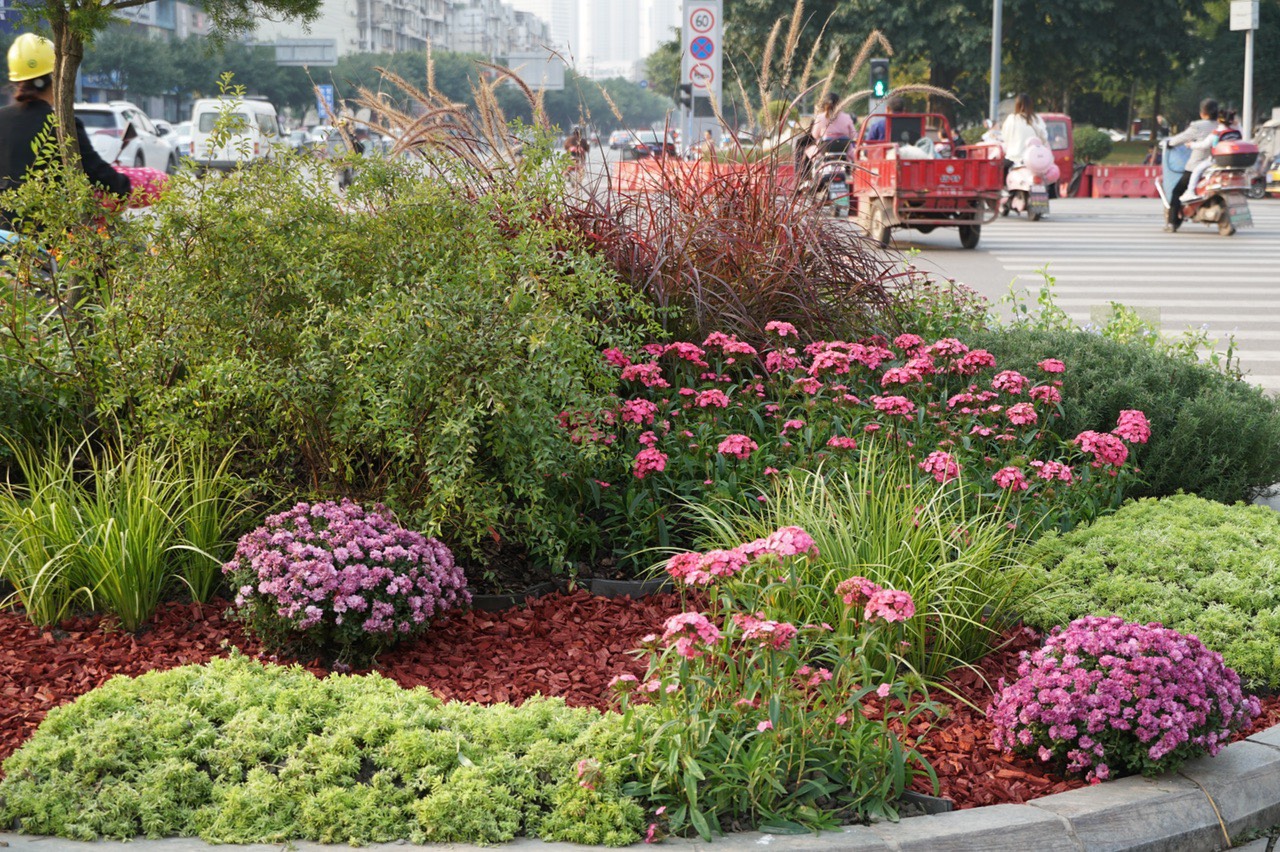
x=340, y=581
x=1105, y=696
x=745, y=718
x=719, y=419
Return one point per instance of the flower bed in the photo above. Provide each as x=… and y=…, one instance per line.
x=564, y=645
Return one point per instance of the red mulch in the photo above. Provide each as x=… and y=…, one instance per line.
x=568, y=645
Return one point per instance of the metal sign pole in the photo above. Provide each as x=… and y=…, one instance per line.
x=1244, y=16
x=997, y=36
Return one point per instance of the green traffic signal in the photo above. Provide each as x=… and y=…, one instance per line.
x=879, y=78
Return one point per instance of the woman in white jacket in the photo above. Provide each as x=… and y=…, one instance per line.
x=1018, y=128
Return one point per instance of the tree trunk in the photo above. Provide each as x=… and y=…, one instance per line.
x=943, y=77
x=70, y=52
x=1155, y=116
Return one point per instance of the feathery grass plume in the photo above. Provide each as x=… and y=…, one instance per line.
x=766, y=64
x=613, y=108
x=831, y=76
x=813, y=54
x=793, y=38
x=876, y=38
x=431, y=69
x=539, y=117
x=746, y=102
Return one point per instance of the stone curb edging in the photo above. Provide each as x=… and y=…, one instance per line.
x=1201, y=807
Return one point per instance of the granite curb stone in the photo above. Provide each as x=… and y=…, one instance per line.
x=1172, y=813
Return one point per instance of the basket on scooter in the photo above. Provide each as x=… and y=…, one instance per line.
x=1235, y=154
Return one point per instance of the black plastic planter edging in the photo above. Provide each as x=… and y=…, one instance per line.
x=497, y=603
x=630, y=588
x=926, y=803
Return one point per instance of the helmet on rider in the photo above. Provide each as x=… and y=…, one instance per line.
x=30, y=57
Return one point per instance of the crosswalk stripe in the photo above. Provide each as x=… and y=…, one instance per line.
x=1194, y=279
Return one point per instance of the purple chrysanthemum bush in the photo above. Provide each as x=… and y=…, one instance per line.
x=335, y=579
x=1105, y=696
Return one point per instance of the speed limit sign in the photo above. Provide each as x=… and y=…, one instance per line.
x=700, y=65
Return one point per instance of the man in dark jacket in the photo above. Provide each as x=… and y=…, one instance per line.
x=31, y=61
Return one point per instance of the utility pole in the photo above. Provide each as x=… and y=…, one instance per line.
x=997, y=36
x=1244, y=16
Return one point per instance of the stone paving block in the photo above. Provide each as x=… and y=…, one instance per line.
x=1167, y=814
x=1244, y=781
x=853, y=838
x=1269, y=737
x=998, y=828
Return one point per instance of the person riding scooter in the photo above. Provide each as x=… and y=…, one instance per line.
x=1226, y=131
x=1195, y=131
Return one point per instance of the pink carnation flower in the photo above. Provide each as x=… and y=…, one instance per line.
x=898, y=405
x=1133, y=427
x=1022, y=414
x=714, y=398
x=842, y=442
x=941, y=465
x=1046, y=393
x=738, y=446
x=1010, y=479
x=856, y=590
x=890, y=605
x=782, y=329
x=1010, y=381
x=649, y=375
x=649, y=460
x=1052, y=365
x=1106, y=449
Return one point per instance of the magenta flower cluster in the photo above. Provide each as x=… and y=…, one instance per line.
x=1105, y=695
x=339, y=570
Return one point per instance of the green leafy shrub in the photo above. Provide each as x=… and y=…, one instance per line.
x=758, y=719
x=358, y=347
x=1210, y=435
x=877, y=520
x=239, y=752
x=112, y=531
x=1091, y=144
x=1196, y=566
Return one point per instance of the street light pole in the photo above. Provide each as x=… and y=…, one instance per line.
x=997, y=36
x=1248, y=84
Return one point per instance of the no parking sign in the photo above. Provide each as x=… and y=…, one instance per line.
x=703, y=34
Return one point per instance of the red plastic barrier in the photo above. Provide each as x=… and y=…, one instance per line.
x=1125, y=181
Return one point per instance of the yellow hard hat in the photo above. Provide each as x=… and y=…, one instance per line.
x=30, y=56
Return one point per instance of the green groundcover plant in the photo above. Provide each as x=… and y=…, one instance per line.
x=758, y=720
x=1196, y=566
x=240, y=752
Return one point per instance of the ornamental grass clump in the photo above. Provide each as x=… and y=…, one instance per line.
x=1106, y=696
x=335, y=579
x=748, y=719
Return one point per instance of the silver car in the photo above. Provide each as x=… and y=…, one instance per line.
x=123, y=135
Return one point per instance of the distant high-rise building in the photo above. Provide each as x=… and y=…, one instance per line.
x=562, y=21
x=659, y=19
x=610, y=35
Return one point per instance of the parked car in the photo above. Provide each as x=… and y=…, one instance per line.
x=254, y=130
x=652, y=143
x=1273, y=176
x=121, y=133
x=619, y=139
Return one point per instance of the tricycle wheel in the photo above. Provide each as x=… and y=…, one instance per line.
x=1257, y=189
x=879, y=227
x=969, y=236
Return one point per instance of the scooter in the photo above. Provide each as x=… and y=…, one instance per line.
x=831, y=176
x=1221, y=194
x=1025, y=192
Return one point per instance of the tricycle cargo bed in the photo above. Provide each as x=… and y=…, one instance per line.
x=928, y=178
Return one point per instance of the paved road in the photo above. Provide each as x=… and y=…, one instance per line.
x=1105, y=250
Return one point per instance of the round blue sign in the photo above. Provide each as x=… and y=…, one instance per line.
x=702, y=47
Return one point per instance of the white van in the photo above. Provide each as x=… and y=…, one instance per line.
x=254, y=131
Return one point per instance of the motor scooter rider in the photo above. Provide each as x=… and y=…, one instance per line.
x=833, y=128
x=31, y=116
x=1226, y=131
x=1022, y=125
x=1195, y=132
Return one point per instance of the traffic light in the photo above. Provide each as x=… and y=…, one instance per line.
x=685, y=96
x=879, y=78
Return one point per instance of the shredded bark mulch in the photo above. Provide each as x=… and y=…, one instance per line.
x=568, y=645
